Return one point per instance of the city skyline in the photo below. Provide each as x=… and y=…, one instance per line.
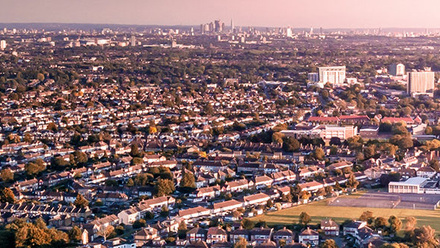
x=318, y=13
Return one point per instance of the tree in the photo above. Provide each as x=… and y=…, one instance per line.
x=52, y=127
x=6, y=195
x=380, y=223
x=410, y=223
x=295, y=191
x=6, y=175
x=188, y=180
x=75, y=234
x=318, y=153
x=304, y=218
x=367, y=216
x=164, y=187
x=352, y=183
x=241, y=243
x=139, y=223
x=164, y=211
x=425, y=237
x=80, y=201
x=269, y=203
x=105, y=232
x=291, y=144
x=395, y=224
x=277, y=138
x=134, y=152
x=329, y=243
x=33, y=169
x=305, y=195
x=247, y=224
x=182, y=229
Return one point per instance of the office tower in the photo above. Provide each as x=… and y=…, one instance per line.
x=420, y=82
x=397, y=70
x=133, y=40
x=232, y=26
x=218, y=26
x=3, y=44
x=289, y=32
x=332, y=74
x=211, y=27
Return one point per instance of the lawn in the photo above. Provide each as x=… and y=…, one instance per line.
x=320, y=210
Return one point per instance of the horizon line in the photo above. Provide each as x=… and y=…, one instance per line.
x=193, y=25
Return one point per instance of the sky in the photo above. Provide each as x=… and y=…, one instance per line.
x=263, y=13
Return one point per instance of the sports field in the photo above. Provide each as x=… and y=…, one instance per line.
x=320, y=210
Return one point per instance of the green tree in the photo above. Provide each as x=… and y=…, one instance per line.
x=139, y=223
x=188, y=180
x=33, y=169
x=80, y=201
x=241, y=243
x=304, y=218
x=291, y=144
x=425, y=237
x=380, y=223
x=318, y=153
x=247, y=224
x=329, y=243
x=352, y=183
x=75, y=234
x=395, y=224
x=6, y=195
x=7, y=175
x=164, y=187
x=367, y=216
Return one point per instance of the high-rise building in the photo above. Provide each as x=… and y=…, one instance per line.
x=289, y=32
x=420, y=82
x=133, y=40
x=397, y=70
x=333, y=74
x=3, y=44
x=232, y=26
x=218, y=26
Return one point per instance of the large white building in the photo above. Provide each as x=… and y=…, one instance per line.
x=415, y=185
x=397, y=70
x=420, y=82
x=3, y=45
x=333, y=74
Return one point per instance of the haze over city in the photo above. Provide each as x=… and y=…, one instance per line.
x=275, y=13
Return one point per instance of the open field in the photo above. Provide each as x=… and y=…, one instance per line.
x=320, y=210
x=388, y=200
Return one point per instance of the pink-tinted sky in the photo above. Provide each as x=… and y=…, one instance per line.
x=275, y=13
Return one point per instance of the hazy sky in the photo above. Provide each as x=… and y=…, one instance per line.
x=274, y=13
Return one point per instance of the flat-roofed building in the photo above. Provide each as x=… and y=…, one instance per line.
x=397, y=69
x=332, y=74
x=420, y=82
x=412, y=185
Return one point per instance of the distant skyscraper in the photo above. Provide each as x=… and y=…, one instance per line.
x=133, y=40
x=421, y=82
x=289, y=32
x=3, y=44
x=232, y=26
x=332, y=74
x=218, y=26
x=397, y=70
